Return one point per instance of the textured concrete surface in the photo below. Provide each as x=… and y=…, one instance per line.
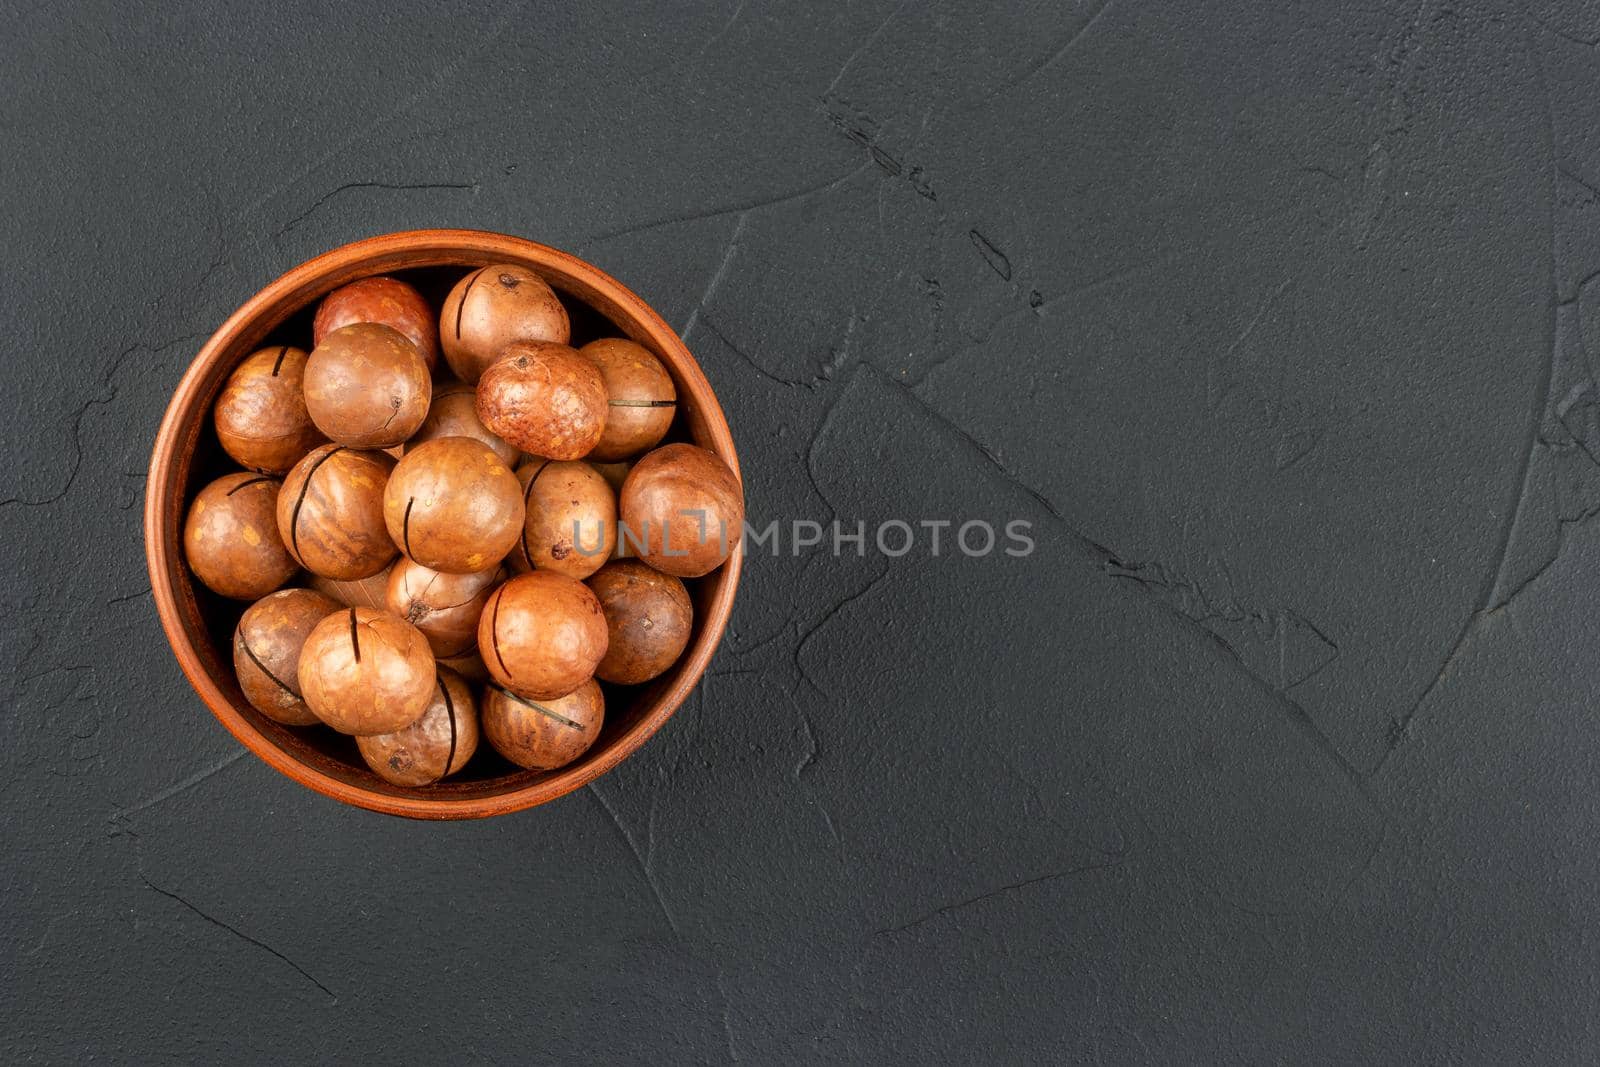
x=1278, y=320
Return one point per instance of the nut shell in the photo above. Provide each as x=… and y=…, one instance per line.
x=445, y=607
x=437, y=745
x=454, y=413
x=493, y=307
x=386, y=300
x=451, y=505
x=571, y=521
x=367, y=386
x=614, y=473
x=641, y=400
x=231, y=537
x=366, y=672
x=369, y=592
x=469, y=665
x=541, y=635
x=682, y=510
x=649, y=618
x=541, y=735
x=260, y=415
x=330, y=513
x=266, y=652
x=545, y=399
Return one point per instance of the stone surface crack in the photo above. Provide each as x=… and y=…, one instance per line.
x=236, y=932
x=1004, y=890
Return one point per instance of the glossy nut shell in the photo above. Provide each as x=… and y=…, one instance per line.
x=541, y=635
x=682, y=510
x=330, y=513
x=366, y=672
x=541, y=735
x=385, y=300
x=437, y=745
x=649, y=618
x=367, y=386
x=231, y=537
x=545, y=399
x=493, y=307
x=451, y=505
x=266, y=652
x=640, y=398
x=260, y=415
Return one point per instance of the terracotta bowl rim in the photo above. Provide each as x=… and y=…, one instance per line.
x=406, y=250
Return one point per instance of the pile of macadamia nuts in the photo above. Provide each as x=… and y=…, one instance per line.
x=478, y=545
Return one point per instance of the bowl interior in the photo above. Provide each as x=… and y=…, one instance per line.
x=188, y=455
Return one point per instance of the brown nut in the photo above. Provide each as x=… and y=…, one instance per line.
x=445, y=607
x=435, y=746
x=454, y=413
x=389, y=301
x=451, y=505
x=492, y=307
x=541, y=735
x=366, y=672
x=330, y=513
x=571, y=523
x=541, y=635
x=231, y=538
x=648, y=619
x=545, y=399
x=266, y=652
x=614, y=473
x=367, y=386
x=469, y=665
x=640, y=398
x=369, y=592
x=261, y=415
x=682, y=510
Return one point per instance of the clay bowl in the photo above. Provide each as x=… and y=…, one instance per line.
x=187, y=455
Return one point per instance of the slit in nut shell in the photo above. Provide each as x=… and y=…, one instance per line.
x=493, y=307
x=541, y=735
x=434, y=747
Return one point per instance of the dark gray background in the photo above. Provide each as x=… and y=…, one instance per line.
x=1275, y=319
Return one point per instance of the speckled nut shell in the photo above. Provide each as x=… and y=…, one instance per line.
x=451, y=505
x=389, y=301
x=266, y=652
x=545, y=399
x=571, y=521
x=366, y=672
x=330, y=513
x=492, y=307
x=445, y=607
x=682, y=510
x=648, y=616
x=261, y=415
x=367, y=386
x=369, y=592
x=454, y=413
x=541, y=735
x=231, y=537
x=640, y=398
x=437, y=745
x=541, y=635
